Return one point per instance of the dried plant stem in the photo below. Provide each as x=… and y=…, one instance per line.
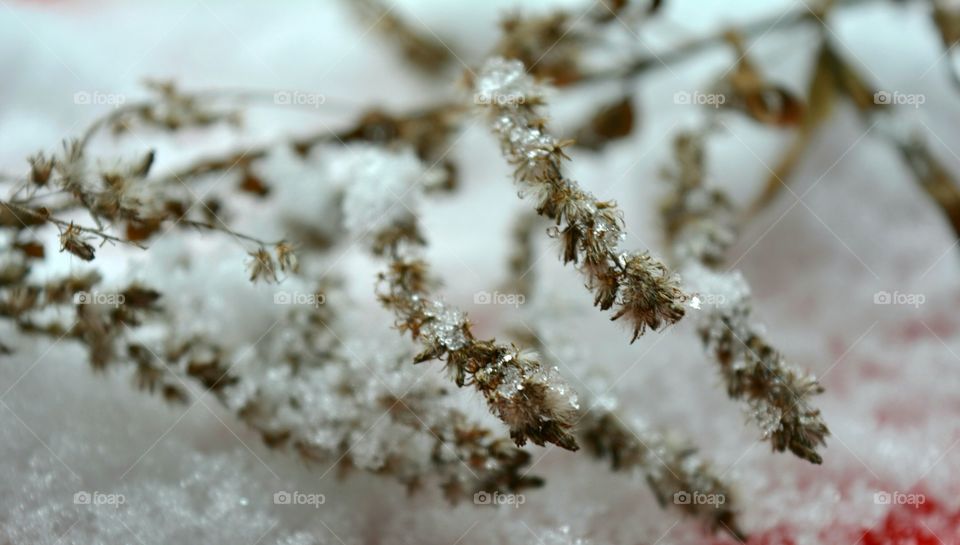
x=106, y=195
x=833, y=77
x=42, y=216
x=226, y=230
x=929, y=173
x=675, y=473
x=700, y=227
x=935, y=180
x=424, y=50
x=531, y=399
x=673, y=469
x=590, y=230
x=492, y=463
x=687, y=50
x=188, y=106
x=466, y=458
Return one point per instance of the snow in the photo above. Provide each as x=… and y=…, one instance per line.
x=196, y=474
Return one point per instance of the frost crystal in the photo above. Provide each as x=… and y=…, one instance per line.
x=522, y=143
x=504, y=82
x=445, y=326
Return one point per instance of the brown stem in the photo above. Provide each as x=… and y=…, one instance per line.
x=45, y=217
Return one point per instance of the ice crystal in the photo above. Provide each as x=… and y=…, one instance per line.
x=503, y=81
x=444, y=326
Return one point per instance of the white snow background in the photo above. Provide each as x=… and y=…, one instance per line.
x=854, y=224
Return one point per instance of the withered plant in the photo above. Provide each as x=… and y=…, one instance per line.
x=395, y=162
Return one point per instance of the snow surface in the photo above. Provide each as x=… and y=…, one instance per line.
x=856, y=225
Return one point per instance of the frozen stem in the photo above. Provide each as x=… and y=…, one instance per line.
x=700, y=227
x=673, y=471
x=533, y=400
x=672, y=468
x=530, y=398
x=637, y=285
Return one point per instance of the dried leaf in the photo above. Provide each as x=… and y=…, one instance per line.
x=424, y=50
x=547, y=45
x=140, y=297
x=143, y=168
x=137, y=231
x=251, y=183
x=31, y=248
x=611, y=122
x=774, y=105
x=767, y=103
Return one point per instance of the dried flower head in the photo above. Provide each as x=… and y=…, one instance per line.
x=531, y=399
x=71, y=168
x=41, y=167
x=652, y=297
x=287, y=258
x=262, y=267
x=74, y=241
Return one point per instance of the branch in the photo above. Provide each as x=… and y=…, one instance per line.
x=531, y=399
x=700, y=227
x=43, y=216
x=590, y=231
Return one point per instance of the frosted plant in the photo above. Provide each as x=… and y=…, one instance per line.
x=326, y=400
x=671, y=467
x=700, y=226
x=298, y=400
x=590, y=231
x=327, y=384
x=534, y=401
x=302, y=388
x=518, y=386
x=639, y=284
